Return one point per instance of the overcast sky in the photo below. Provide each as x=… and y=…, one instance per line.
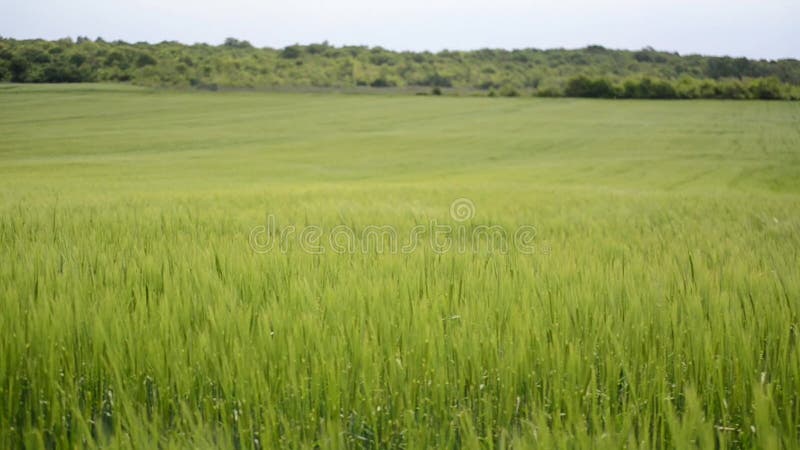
x=753, y=28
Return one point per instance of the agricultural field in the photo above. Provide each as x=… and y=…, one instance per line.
x=306, y=270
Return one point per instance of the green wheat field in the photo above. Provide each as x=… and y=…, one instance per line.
x=657, y=306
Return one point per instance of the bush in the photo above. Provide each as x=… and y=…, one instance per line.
x=382, y=82
x=707, y=89
x=766, y=89
x=733, y=89
x=380, y=58
x=648, y=88
x=548, y=91
x=582, y=86
x=508, y=91
x=488, y=84
x=662, y=89
x=437, y=80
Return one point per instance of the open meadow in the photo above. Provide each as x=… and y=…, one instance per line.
x=160, y=287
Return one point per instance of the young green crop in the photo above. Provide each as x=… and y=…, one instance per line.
x=659, y=310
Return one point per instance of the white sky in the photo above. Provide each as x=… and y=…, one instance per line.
x=753, y=28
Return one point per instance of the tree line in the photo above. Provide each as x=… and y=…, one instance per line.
x=684, y=88
x=593, y=71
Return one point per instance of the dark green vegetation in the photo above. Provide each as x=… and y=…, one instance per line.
x=135, y=315
x=608, y=73
x=685, y=88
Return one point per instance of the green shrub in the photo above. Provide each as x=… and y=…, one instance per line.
x=648, y=88
x=733, y=89
x=382, y=82
x=549, y=91
x=508, y=91
x=766, y=89
x=582, y=86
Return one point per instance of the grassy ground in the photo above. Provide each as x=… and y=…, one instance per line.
x=657, y=306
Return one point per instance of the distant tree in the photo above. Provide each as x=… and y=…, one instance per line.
x=520, y=56
x=116, y=58
x=5, y=53
x=35, y=55
x=19, y=69
x=643, y=56
x=292, y=52
x=236, y=43
x=786, y=71
x=77, y=59
x=145, y=59
x=380, y=57
x=418, y=57
x=318, y=49
x=725, y=67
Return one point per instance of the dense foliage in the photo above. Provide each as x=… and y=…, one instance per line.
x=590, y=72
